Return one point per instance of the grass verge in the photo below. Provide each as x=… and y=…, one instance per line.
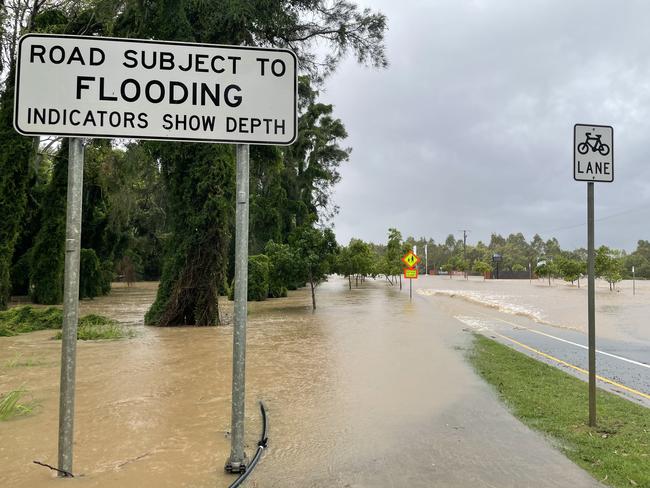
x=616, y=452
x=11, y=405
x=20, y=320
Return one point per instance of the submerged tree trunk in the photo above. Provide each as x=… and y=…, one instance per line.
x=350, y=281
x=400, y=282
x=200, y=181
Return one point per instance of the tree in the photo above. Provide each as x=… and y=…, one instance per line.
x=392, y=262
x=608, y=265
x=15, y=154
x=344, y=265
x=315, y=250
x=48, y=253
x=199, y=180
x=284, y=269
x=482, y=267
x=570, y=269
x=546, y=269
x=361, y=258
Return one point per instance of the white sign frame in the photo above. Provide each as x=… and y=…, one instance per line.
x=268, y=100
x=593, y=151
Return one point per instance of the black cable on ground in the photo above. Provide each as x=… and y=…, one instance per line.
x=261, y=445
x=66, y=474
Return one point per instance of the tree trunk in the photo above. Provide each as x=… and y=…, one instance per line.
x=356, y=281
x=313, y=294
x=400, y=282
x=350, y=281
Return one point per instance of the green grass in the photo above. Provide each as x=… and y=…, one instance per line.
x=20, y=320
x=96, y=327
x=616, y=452
x=11, y=405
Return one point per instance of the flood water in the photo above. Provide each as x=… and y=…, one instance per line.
x=370, y=390
x=621, y=314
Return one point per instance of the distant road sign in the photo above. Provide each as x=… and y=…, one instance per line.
x=410, y=259
x=87, y=86
x=410, y=273
x=593, y=153
x=497, y=258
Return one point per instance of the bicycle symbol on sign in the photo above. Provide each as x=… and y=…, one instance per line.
x=596, y=146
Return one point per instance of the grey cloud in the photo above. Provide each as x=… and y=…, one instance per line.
x=471, y=125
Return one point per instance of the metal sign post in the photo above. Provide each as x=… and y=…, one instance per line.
x=70, y=304
x=591, y=303
x=237, y=461
x=593, y=160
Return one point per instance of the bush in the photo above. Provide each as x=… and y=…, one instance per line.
x=258, y=279
x=284, y=271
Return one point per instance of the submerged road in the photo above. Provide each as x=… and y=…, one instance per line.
x=397, y=405
x=622, y=367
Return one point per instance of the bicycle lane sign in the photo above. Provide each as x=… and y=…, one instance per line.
x=593, y=153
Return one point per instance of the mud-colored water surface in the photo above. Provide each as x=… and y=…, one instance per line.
x=621, y=314
x=370, y=390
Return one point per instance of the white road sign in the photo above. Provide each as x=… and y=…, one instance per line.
x=104, y=87
x=593, y=153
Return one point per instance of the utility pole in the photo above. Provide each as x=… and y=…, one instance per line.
x=465, y=231
x=426, y=258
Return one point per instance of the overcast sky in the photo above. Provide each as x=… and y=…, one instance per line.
x=471, y=126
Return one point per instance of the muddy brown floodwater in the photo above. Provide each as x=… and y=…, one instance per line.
x=370, y=390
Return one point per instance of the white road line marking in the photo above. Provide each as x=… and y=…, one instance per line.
x=631, y=361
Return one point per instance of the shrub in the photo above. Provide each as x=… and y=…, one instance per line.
x=258, y=279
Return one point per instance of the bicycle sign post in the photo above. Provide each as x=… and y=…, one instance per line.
x=593, y=160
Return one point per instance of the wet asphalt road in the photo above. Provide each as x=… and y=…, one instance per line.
x=625, y=364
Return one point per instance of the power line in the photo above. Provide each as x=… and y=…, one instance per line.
x=618, y=214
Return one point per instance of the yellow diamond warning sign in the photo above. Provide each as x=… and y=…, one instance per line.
x=410, y=259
